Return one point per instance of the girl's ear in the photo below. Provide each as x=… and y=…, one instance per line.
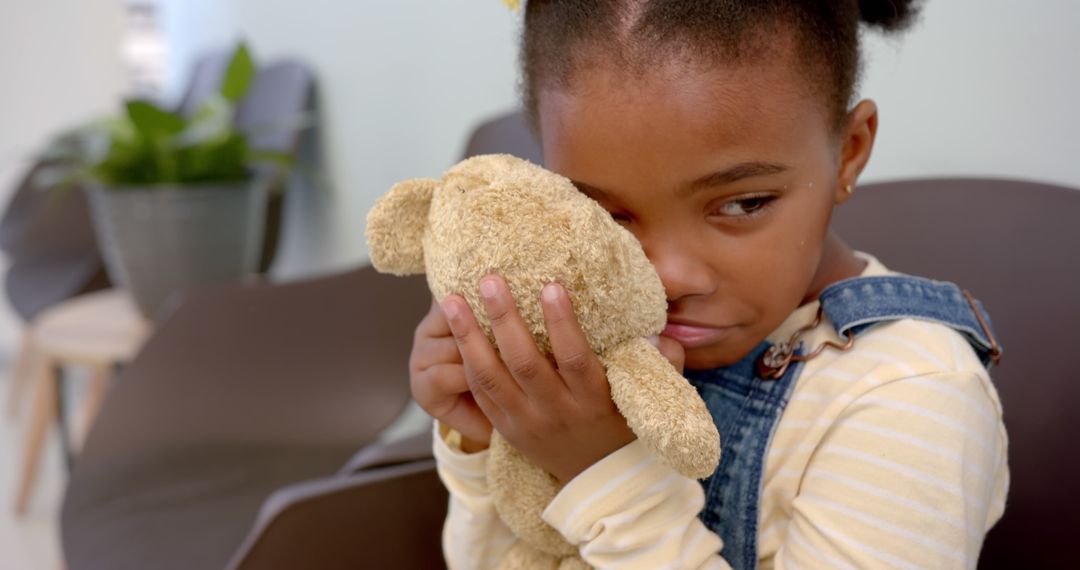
x=856, y=144
x=396, y=226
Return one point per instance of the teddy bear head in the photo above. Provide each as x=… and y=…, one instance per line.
x=504, y=215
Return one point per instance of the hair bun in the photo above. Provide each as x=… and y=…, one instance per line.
x=889, y=15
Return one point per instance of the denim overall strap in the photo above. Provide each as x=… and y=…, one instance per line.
x=747, y=408
x=859, y=303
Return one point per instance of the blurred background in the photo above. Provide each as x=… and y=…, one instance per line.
x=389, y=91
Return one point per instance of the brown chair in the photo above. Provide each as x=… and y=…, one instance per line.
x=239, y=392
x=384, y=510
x=1016, y=246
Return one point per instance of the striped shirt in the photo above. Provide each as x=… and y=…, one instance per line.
x=890, y=455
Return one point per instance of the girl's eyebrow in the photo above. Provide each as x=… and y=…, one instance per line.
x=738, y=172
x=735, y=173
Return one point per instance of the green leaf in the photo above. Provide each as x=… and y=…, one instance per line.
x=214, y=161
x=283, y=160
x=152, y=122
x=239, y=74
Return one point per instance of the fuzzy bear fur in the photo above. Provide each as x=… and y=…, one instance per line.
x=500, y=214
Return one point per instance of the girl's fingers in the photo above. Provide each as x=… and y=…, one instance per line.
x=439, y=384
x=443, y=392
x=577, y=363
x=495, y=390
x=518, y=351
x=434, y=352
x=434, y=323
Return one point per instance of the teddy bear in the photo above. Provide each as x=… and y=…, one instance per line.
x=504, y=215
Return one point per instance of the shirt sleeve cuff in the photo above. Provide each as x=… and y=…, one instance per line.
x=613, y=485
x=464, y=473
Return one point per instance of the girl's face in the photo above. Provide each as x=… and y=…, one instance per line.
x=728, y=178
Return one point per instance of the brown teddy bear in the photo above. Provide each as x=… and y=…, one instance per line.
x=500, y=214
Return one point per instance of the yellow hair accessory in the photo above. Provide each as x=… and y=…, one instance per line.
x=514, y=5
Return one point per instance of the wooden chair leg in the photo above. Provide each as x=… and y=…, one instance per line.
x=95, y=395
x=41, y=416
x=22, y=373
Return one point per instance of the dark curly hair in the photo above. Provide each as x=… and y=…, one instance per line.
x=564, y=37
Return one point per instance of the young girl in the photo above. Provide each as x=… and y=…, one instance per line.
x=858, y=424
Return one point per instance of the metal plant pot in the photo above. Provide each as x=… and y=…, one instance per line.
x=160, y=240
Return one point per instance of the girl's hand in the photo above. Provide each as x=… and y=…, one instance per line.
x=560, y=415
x=437, y=380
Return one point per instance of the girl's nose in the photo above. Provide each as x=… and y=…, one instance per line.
x=683, y=272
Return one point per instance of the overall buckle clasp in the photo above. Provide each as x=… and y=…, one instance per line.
x=775, y=361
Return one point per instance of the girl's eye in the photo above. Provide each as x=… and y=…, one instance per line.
x=745, y=207
x=620, y=218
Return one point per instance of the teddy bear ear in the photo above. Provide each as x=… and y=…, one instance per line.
x=396, y=226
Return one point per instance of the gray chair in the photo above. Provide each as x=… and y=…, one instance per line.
x=505, y=133
x=52, y=255
x=50, y=245
x=204, y=80
x=239, y=392
x=48, y=237
x=1016, y=246
x=276, y=103
x=275, y=114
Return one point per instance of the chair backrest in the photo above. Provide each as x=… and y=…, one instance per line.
x=205, y=80
x=274, y=106
x=507, y=133
x=1015, y=246
x=39, y=221
x=316, y=362
x=49, y=239
x=275, y=115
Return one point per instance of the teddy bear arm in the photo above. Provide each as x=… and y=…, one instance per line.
x=662, y=408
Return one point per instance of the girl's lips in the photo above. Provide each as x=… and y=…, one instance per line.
x=693, y=336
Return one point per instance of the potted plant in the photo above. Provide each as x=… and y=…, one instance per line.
x=176, y=203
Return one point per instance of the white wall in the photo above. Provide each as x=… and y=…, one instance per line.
x=60, y=64
x=979, y=87
x=400, y=85
x=191, y=28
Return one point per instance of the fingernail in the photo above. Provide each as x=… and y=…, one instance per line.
x=654, y=340
x=451, y=309
x=550, y=293
x=488, y=288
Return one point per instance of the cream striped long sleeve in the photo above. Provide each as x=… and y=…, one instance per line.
x=474, y=536
x=891, y=455
x=626, y=511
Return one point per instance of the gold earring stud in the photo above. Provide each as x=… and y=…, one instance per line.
x=849, y=189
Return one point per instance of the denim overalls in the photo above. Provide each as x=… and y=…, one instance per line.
x=747, y=407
